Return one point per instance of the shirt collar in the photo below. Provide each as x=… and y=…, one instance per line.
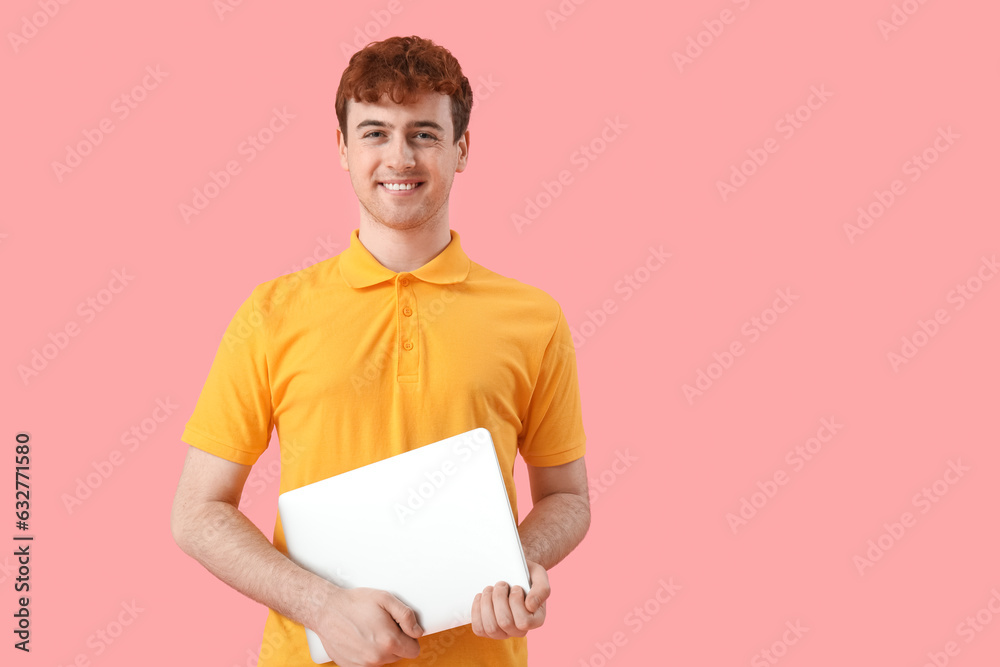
x=359, y=267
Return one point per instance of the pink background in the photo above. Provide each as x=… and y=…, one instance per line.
x=664, y=517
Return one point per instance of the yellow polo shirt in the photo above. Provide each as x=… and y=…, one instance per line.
x=352, y=363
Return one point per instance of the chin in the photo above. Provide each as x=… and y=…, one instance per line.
x=401, y=223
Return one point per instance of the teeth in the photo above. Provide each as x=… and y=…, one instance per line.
x=399, y=186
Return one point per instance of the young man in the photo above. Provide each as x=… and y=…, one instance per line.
x=399, y=341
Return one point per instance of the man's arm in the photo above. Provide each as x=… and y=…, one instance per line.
x=557, y=523
x=560, y=516
x=207, y=525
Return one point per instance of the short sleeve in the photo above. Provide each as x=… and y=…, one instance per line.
x=233, y=417
x=552, y=432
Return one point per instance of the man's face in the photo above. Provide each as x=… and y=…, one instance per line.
x=412, y=145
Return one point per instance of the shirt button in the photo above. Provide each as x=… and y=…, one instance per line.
x=404, y=282
x=407, y=345
x=407, y=311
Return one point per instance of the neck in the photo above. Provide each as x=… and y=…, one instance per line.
x=403, y=249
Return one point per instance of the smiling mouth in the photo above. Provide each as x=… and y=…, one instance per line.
x=400, y=187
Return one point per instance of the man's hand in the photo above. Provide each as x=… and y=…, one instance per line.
x=365, y=627
x=500, y=612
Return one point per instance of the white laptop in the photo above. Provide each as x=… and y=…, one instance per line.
x=433, y=526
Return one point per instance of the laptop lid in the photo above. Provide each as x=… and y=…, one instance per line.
x=433, y=526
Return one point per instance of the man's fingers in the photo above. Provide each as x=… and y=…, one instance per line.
x=539, y=591
x=405, y=646
x=522, y=618
x=405, y=617
x=489, y=620
x=403, y=642
x=477, y=619
x=503, y=611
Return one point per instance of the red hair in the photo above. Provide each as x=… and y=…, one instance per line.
x=403, y=67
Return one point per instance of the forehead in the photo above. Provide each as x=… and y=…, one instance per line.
x=424, y=106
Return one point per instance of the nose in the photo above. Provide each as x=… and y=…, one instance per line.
x=399, y=154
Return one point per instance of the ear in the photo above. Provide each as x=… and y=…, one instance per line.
x=342, y=149
x=463, y=152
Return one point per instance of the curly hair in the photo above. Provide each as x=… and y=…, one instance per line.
x=403, y=67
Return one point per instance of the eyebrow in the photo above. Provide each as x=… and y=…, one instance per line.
x=412, y=124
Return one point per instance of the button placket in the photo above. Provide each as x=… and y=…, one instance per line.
x=408, y=352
